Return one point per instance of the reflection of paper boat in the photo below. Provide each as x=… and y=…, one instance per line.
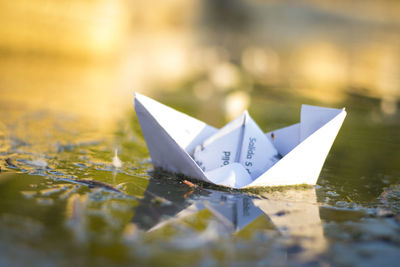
x=291, y=212
x=233, y=211
x=171, y=135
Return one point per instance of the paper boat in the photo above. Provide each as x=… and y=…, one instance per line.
x=171, y=135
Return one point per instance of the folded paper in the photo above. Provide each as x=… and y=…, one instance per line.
x=240, y=141
x=182, y=144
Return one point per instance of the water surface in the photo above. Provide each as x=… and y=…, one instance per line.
x=64, y=202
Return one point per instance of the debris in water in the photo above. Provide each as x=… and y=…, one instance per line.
x=188, y=193
x=186, y=182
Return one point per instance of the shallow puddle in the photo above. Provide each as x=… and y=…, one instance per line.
x=66, y=199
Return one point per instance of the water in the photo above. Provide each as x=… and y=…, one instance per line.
x=65, y=200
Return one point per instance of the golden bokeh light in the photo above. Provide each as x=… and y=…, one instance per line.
x=87, y=58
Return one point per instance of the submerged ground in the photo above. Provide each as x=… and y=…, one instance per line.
x=64, y=202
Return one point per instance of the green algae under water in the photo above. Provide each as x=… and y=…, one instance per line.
x=63, y=202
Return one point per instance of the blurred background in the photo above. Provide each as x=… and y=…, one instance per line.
x=87, y=58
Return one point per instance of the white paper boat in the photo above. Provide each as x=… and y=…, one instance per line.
x=171, y=135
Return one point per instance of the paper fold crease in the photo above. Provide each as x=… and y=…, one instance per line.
x=171, y=135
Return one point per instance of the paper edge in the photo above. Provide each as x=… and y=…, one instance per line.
x=343, y=111
x=204, y=178
x=249, y=185
x=207, y=129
